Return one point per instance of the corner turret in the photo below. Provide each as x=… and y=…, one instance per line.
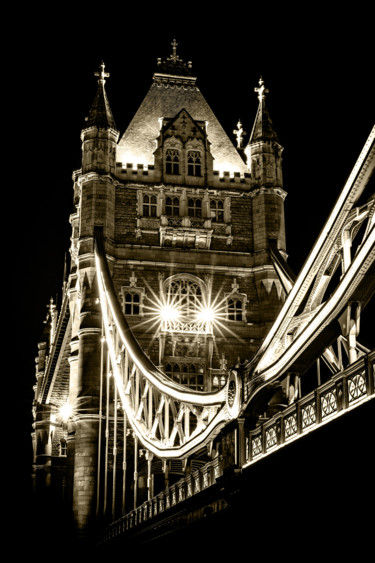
x=99, y=136
x=263, y=151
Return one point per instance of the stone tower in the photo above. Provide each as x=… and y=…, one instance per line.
x=190, y=224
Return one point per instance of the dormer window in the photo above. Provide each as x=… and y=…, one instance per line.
x=172, y=206
x=172, y=161
x=195, y=207
x=194, y=163
x=149, y=206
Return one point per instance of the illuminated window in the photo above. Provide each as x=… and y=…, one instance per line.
x=188, y=374
x=217, y=210
x=195, y=207
x=172, y=206
x=132, y=303
x=187, y=293
x=185, y=306
x=172, y=161
x=194, y=163
x=149, y=206
x=234, y=309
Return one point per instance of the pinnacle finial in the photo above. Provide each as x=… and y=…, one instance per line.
x=262, y=90
x=102, y=74
x=174, y=44
x=239, y=133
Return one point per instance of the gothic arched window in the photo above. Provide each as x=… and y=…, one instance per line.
x=185, y=305
x=187, y=293
x=172, y=206
x=172, y=161
x=194, y=163
x=195, y=207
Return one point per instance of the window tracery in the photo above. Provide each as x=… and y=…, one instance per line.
x=172, y=161
x=194, y=163
x=172, y=206
x=195, y=207
x=133, y=297
x=185, y=297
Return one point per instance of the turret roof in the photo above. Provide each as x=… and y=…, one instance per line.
x=100, y=113
x=263, y=127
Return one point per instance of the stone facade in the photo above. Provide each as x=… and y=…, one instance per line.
x=184, y=213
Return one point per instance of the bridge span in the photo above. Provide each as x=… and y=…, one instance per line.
x=190, y=380
x=330, y=428
x=313, y=327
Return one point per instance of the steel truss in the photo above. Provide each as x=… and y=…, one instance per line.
x=172, y=421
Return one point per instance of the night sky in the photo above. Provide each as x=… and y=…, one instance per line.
x=319, y=70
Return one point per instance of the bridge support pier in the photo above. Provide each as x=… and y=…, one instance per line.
x=85, y=472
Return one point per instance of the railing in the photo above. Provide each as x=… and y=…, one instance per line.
x=190, y=485
x=344, y=391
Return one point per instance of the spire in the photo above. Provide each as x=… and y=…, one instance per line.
x=100, y=114
x=262, y=128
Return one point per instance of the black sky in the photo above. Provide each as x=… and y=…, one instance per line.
x=319, y=69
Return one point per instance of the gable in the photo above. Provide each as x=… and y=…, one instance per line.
x=183, y=127
x=138, y=143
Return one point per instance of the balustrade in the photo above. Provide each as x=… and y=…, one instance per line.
x=344, y=391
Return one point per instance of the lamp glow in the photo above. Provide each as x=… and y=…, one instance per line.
x=206, y=315
x=169, y=313
x=65, y=411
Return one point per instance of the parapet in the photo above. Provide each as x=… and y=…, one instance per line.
x=148, y=173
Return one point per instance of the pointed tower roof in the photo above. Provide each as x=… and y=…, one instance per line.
x=100, y=113
x=262, y=128
x=174, y=88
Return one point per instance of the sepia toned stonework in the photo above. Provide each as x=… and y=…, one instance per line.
x=187, y=217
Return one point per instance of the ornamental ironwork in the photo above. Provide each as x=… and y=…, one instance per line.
x=271, y=437
x=328, y=403
x=357, y=387
x=256, y=446
x=308, y=415
x=290, y=426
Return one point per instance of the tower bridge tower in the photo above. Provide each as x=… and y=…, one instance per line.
x=189, y=224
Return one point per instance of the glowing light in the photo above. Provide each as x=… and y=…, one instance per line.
x=206, y=315
x=65, y=411
x=169, y=313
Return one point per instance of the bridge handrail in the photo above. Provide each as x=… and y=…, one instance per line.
x=355, y=385
x=342, y=392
